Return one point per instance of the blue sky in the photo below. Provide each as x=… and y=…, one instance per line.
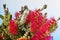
x=53, y=9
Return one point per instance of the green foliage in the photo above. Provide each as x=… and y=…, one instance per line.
x=6, y=20
x=2, y=17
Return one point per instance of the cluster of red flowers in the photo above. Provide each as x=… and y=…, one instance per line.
x=39, y=24
x=31, y=25
x=35, y=19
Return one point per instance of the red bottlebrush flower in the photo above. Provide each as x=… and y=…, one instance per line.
x=1, y=36
x=13, y=28
x=47, y=24
x=40, y=34
x=35, y=19
x=36, y=23
x=17, y=14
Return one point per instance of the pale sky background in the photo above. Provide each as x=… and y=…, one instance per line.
x=53, y=9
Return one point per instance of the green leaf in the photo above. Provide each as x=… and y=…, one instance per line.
x=7, y=19
x=1, y=16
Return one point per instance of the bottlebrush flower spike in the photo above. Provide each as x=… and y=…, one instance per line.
x=47, y=24
x=35, y=19
x=45, y=27
x=35, y=24
x=40, y=21
x=13, y=28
